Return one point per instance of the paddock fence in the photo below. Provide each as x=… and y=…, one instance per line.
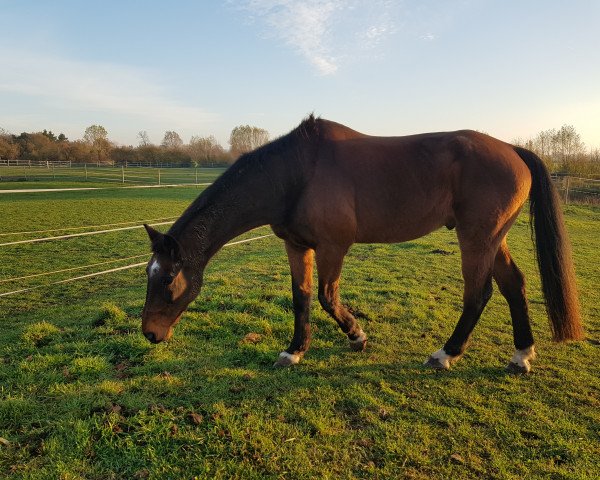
x=26, y=171
x=572, y=189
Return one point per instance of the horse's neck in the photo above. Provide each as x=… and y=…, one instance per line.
x=233, y=205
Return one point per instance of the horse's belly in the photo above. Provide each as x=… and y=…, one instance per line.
x=391, y=222
x=398, y=231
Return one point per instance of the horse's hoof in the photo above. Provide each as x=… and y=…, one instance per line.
x=520, y=361
x=359, y=343
x=434, y=363
x=286, y=359
x=440, y=360
x=517, y=369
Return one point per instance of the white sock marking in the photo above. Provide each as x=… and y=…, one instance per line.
x=443, y=358
x=292, y=358
x=523, y=357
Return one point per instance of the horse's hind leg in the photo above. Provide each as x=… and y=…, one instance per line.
x=477, y=264
x=301, y=266
x=511, y=283
x=329, y=267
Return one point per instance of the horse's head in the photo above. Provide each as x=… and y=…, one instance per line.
x=171, y=287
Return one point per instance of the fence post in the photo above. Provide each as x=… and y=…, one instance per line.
x=196, y=175
x=122, y=174
x=53, y=173
x=567, y=190
x=85, y=169
x=159, y=176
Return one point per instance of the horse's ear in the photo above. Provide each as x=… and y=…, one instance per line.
x=172, y=248
x=154, y=235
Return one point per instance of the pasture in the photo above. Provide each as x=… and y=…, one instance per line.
x=84, y=395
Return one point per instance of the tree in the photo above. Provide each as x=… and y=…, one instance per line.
x=144, y=140
x=172, y=140
x=36, y=146
x=77, y=151
x=205, y=150
x=97, y=137
x=124, y=154
x=568, y=146
x=245, y=138
x=49, y=135
x=8, y=149
x=95, y=133
x=542, y=144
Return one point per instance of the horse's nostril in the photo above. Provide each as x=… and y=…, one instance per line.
x=150, y=336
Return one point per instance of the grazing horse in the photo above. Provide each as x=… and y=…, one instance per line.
x=323, y=187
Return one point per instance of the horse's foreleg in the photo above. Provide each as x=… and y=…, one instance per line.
x=511, y=283
x=477, y=274
x=301, y=266
x=329, y=266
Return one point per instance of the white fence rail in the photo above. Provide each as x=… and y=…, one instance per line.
x=572, y=189
x=75, y=173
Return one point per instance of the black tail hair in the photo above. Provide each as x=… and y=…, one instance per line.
x=553, y=252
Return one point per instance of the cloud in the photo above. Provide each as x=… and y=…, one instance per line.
x=64, y=84
x=325, y=32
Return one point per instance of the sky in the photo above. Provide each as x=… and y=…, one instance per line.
x=510, y=68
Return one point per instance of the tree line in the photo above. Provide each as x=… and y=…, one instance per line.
x=562, y=149
x=96, y=147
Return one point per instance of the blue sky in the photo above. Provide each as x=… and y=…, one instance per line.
x=510, y=68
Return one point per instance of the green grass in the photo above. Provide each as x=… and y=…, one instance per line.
x=84, y=395
x=67, y=177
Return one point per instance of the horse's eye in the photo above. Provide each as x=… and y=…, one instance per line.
x=167, y=279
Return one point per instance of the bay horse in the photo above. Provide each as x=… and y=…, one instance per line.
x=323, y=187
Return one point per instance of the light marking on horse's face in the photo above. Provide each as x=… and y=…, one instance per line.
x=153, y=268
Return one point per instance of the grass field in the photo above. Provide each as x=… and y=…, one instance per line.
x=92, y=176
x=84, y=395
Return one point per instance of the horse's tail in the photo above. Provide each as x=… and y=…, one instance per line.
x=553, y=252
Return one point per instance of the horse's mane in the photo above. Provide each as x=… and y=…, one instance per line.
x=293, y=148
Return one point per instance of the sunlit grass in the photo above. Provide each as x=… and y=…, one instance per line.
x=84, y=395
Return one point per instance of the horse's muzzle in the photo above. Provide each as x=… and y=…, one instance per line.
x=151, y=337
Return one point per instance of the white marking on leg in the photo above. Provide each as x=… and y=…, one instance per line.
x=522, y=358
x=442, y=357
x=286, y=358
x=154, y=268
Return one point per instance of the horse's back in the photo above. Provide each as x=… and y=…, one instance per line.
x=393, y=189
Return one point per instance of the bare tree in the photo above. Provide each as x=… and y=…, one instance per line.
x=543, y=144
x=205, y=150
x=245, y=138
x=144, y=140
x=172, y=140
x=568, y=146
